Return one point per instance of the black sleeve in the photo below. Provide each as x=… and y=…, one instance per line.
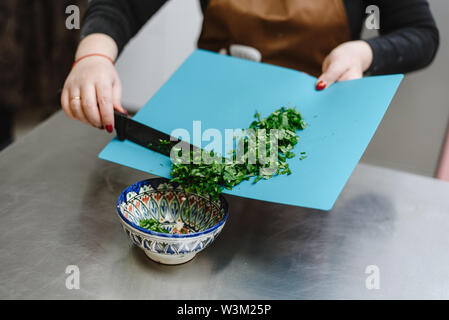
x=409, y=37
x=119, y=19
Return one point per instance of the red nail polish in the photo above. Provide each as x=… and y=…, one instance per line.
x=101, y=128
x=126, y=112
x=109, y=128
x=320, y=85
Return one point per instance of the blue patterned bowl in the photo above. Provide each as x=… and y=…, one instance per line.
x=191, y=220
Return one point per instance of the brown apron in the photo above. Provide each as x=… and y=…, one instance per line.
x=296, y=34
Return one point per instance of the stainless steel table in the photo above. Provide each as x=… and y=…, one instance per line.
x=57, y=204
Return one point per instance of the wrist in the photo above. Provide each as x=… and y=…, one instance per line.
x=97, y=43
x=91, y=55
x=366, y=54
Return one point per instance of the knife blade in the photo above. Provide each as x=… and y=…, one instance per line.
x=148, y=137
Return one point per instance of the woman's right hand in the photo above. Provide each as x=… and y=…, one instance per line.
x=92, y=91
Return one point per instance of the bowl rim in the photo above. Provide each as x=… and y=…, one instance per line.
x=168, y=235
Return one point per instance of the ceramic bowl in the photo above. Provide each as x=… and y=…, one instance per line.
x=199, y=219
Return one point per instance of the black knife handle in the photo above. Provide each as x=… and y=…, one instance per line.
x=120, y=124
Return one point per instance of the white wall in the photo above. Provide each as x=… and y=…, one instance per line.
x=158, y=50
x=409, y=138
x=412, y=132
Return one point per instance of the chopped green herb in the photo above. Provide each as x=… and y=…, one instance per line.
x=211, y=178
x=152, y=225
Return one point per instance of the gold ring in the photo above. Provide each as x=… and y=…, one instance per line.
x=76, y=98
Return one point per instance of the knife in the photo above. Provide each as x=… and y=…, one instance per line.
x=128, y=129
x=148, y=137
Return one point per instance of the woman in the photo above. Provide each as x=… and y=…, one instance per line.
x=320, y=37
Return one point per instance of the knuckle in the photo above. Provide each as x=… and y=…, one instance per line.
x=334, y=73
x=98, y=78
x=85, y=77
x=68, y=85
x=105, y=100
x=87, y=104
x=102, y=77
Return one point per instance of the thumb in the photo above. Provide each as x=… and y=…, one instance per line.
x=332, y=71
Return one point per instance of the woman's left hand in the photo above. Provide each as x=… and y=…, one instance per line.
x=348, y=61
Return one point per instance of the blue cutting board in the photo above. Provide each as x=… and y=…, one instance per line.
x=224, y=92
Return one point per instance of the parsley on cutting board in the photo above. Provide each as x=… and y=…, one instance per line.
x=212, y=178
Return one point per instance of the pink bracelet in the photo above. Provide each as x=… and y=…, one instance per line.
x=91, y=55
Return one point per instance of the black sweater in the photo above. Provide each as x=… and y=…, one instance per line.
x=408, y=37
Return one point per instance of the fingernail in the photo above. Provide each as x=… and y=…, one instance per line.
x=126, y=112
x=109, y=128
x=101, y=128
x=320, y=85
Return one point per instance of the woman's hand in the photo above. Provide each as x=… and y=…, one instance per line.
x=92, y=90
x=348, y=61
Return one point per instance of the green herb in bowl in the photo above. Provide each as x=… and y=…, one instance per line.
x=152, y=225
